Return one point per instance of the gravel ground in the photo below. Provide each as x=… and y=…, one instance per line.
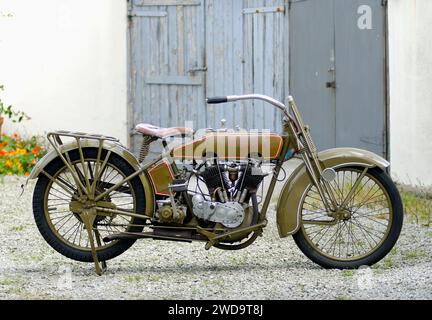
x=269, y=269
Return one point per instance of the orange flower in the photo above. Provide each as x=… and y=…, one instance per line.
x=27, y=174
x=2, y=153
x=36, y=150
x=16, y=136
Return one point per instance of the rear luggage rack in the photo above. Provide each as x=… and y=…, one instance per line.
x=80, y=135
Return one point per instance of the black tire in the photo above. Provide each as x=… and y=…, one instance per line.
x=104, y=254
x=377, y=255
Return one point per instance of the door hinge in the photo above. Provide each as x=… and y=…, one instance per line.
x=141, y=13
x=384, y=3
x=280, y=9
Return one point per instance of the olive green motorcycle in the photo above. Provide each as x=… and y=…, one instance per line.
x=93, y=198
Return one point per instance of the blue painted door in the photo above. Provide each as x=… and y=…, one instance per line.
x=167, y=64
x=184, y=50
x=247, y=52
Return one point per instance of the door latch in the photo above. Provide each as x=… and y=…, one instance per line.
x=201, y=69
x=331, y=85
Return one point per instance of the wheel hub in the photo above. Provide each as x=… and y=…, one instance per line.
x=342, y=215
x=85, y=205
x=78, y=207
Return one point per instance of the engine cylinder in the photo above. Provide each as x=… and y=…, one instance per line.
x=250, y=179
x=212, y=178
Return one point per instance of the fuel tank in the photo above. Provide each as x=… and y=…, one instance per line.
x=231, y=146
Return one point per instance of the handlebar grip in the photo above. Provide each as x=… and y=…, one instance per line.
x=217, y=100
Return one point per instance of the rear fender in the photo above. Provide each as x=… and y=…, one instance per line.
x=110, y=146
x=288, y=208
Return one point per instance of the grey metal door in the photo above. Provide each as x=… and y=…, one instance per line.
x=167, y=81
x=338, y=71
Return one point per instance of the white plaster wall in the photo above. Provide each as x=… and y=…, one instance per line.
x=410, y=55
x=64, y=63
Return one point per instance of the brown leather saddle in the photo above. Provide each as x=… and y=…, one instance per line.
x=162, y=133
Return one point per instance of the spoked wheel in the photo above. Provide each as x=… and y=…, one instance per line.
x=362, y=229
x=58, y=204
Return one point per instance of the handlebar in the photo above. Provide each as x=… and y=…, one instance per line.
x=217, y=100
x=274, y=102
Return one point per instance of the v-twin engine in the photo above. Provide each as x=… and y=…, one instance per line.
x=229, y=214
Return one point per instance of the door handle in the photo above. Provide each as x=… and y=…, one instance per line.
x=331, y=85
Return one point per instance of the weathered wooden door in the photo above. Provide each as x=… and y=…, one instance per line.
x=247, y=52
x=167, y=63
x=184, y=50
x=338, y=71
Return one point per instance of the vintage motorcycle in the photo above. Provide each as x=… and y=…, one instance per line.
x=94, y=199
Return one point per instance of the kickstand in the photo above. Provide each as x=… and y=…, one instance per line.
x=103, y=267
x=88, y=219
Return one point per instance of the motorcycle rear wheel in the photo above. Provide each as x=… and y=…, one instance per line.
x=361, y=235
x=63, y=229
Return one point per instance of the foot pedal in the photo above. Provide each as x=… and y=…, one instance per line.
x=209, y=245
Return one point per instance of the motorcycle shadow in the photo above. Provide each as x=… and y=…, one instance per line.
x=243, y=267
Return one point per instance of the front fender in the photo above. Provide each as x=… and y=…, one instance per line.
x=110, y=146
x=288, y=207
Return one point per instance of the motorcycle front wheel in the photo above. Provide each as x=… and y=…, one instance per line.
x=362, y=230
x=60, y=224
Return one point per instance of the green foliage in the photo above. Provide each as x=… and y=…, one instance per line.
x=388, y=263
x=9, y=112
x=415, y=254
x=348, y=273
x=418, y=206
x=133, y=278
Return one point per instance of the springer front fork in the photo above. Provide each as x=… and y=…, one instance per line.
x=320, y=177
